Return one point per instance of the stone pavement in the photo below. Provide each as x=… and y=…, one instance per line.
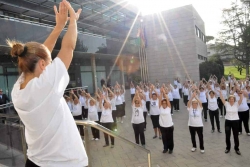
x=124, y=155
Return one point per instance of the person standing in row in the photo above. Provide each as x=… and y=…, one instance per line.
x=203, y=99
x=147, y=104
x=224, y=93
x=243, y=111
x=137, y=120
x=176, y=98
x=213, y=109
x=166, y=123
x=232, y=121
x=123, y=91
x=93, y=116
x=112, y=100
x=132, y=90
x=76, y=110
x=82, y=98
x=195, y=121
x=106, y=119
x=118, y=103
x=185, y=94
x=154, y=111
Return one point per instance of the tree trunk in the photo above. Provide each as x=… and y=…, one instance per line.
x=247, y=68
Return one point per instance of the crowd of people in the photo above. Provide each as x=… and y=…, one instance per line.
x=227, y=98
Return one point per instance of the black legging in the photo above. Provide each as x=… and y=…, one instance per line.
x=234, y=125
x=214, y=114
x=185, y=99
x=139, y=133
x=148, y=105
x=29, y=163
x=220, y=105
x=176, y=104
x=244, y=117
x=204, y=105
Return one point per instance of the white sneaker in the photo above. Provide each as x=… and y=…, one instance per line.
x=93, y=139
x=96, y=139
x=193, y=149
x=202, y=151
x=124, y=116
x=122, y=122
x=248, y=134
x=221, y=116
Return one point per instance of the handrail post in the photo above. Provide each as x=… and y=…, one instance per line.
x=86, y=139
x=24, y=143
x=149, y=159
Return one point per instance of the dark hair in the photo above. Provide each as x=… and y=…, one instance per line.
x=28, y=54
x=163, y=101
x=154, y=94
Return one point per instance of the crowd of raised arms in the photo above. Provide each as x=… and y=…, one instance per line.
x=223, y=97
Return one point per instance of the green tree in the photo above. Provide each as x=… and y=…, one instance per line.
x=209, y=38
x=236, y=35
x=216, y=59
x=209, y=68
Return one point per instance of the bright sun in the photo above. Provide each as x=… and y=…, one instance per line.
x=150, y=6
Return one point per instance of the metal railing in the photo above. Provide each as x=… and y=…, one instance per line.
x=87, y=123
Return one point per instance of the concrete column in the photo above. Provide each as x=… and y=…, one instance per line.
x=93, y=69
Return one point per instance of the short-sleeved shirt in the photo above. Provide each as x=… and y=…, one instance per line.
x=137, y=115
x=195, y=117
x=212, y=103
x=76, y=109
x=165, y=119
x=106, y=116
x=92, y=113
x=232, y=111
x=154, y=107
x=50, y=130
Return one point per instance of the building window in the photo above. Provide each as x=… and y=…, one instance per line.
x=200, y=57
x=200, y=34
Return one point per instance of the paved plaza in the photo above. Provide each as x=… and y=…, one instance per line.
x=124, y=155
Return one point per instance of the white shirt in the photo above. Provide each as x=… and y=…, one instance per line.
x=165, y=119
x=76, y=109
x=176, y=93
x=212, y=103
x=118, y=100
x=195, y=117
x=144, y=105
x=70, y=105
x=217, y=93
x=123, y=97
x=203, y=97
x=179, y=86
x=112, y=102
x=243, y=106
x=154, y=107
x=92, y=113
x=185, y=91
x=232, y=111
x=170, y=96
x=224, y=93
x=106, y=116
x=82, y=100
x=137, y=115
x=147, y=95
x=132, y=91
x=50, y=130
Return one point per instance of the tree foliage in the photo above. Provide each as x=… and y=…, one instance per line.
x=209, y=38
x=235, y=38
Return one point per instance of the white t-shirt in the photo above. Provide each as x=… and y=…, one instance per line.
x=217, y=93
x=195, y=117
x=92, y=113
x=203, y=97
x=185, y=91
x=123, y=97
x=232, y=111
x=50, y=130
x=118, y=100
x=154, y=107
x=106, y=116
x=132, y=91
x=70, y=105
x=82, y=100
x=212, y=103
x=144, y=105
x=179, y=86
x=224, y=94
x=112, y=102
x=76, y=109
x=176, y=93
x=137, y=115
x=147, y=95
x=170, y=96
x=165, y=119
x=243, y=106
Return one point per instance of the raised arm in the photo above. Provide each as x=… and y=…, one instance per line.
x=241, y=98
x=69, y=39
x=221, y=97
x=61, y=21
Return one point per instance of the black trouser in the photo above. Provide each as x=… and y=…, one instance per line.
x=172, y=106
x=114, y=124
x=167, y=137
x=199, y=131
x=80, y=127
x=95, y=132
x=220, y=105
x=204, y=106
x=185, y=99
x=176, y=104
x=139, y=132
x=99, y=117
x=29, y=163
x=84, y=112
x=106, y=136
x=214, y=114
x=145, y=118
x=244, y=117
x=148, y=105
x=180, y=91
x=132, y=96
x=234, y=125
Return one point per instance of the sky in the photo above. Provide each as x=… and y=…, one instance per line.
x=209, y=10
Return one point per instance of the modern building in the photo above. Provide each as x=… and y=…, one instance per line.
x=100, y=53
x=176, y=44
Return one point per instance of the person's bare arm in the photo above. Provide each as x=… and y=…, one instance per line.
x=69, y=39
x=61, y=21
